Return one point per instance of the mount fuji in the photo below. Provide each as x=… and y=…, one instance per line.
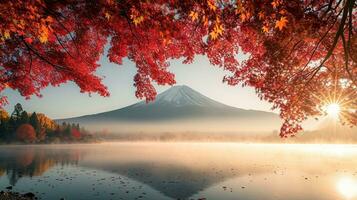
x=180, y=108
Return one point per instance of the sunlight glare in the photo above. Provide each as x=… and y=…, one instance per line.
x=347, y=187
x=333, y=110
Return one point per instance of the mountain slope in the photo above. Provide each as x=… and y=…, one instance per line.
x=179, y=103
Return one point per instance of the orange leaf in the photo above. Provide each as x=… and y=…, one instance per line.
x=43, y=34
x=211, y=5
x=261, y=15
x=205, y=21
x=107, y=15
x=275, y=3
x=282, y=12
x=193, y=15
x=280, y=24
x=243, y=17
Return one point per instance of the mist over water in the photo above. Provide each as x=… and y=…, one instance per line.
x=144, y=170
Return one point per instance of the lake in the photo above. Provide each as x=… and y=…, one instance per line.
x=154, y=171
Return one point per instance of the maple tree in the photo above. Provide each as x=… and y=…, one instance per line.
x=301, y=53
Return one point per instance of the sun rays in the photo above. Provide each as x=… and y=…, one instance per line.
x=333, y=110
x=337, y=102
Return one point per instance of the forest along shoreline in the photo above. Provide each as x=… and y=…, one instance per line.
x=36, y=128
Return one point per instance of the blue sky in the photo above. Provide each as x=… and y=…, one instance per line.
x=66, y=100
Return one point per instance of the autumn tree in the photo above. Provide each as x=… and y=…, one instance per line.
x=20, y=127
x=4, y=115
x=301, y=55
x=26, y=133
x=46, y=123
x=4, y=124
x=75, y=134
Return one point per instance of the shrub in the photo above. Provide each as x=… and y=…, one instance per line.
x=76, y=134
x=26, y=133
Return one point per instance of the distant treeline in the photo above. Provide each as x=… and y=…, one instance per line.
x=23, y=127
x=344, y=135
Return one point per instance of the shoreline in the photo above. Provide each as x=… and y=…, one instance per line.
x=8, y=195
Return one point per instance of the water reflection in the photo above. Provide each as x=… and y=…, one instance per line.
x=347, y=187
x=182, y=171
x=32, y=161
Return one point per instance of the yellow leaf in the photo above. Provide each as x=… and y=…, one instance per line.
x=280, y=24
x=7, y=34
x=213, y=35
x=136, y=17
x=138, y=20
x=43, y=38
x=265, y=29
x=194, y=15
x=219, y=29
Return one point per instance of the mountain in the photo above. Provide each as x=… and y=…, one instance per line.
x=183, y=105
x=180, y=96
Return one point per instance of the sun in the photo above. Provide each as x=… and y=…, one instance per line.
x=333, y=110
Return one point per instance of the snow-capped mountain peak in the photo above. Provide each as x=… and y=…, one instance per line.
x=183, y=95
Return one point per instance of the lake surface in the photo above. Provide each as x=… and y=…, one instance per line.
x=154, y=171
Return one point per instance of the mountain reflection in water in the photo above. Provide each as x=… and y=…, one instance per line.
x=182, y=171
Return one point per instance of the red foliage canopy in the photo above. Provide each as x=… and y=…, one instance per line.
x=301, y=53
x=26, y=133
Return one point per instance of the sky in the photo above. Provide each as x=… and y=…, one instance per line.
x=67, y=101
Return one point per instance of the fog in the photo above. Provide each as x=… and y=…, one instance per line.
x=188, y=125
x=182, y=170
